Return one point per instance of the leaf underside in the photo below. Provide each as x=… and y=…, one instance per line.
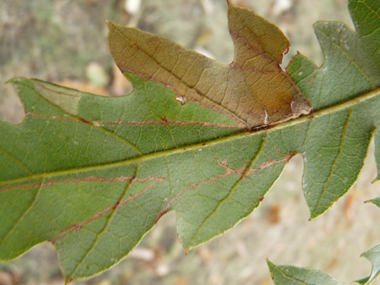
x=292, y=275
x=373, y=255
x=94, y=174
x=253, y=90
x=289, y=275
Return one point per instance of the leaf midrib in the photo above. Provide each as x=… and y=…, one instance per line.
x=326, y=111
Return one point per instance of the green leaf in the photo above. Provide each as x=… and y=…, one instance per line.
x=288, y=274
x=293, y=275
x=375, y=201
x=373, y=255
x=362, y=281
x=92, y=174
x=351, y=67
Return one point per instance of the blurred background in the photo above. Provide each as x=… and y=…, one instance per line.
x=65, y=41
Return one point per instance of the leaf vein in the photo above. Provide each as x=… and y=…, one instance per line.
x=335, y=160
x=109, y=219
x=23, y=215
x=247, y=169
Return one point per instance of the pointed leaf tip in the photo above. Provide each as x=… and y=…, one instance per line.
x=372, y=255
x=110, y=24
x=375, y=201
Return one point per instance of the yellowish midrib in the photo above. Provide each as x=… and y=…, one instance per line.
x=246, y=134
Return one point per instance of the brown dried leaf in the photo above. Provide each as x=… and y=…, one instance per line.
x=253, y=90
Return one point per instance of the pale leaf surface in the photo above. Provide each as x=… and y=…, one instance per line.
x=373, y=255
x=293, y=275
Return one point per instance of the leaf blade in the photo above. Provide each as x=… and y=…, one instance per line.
x=253, y=90
x=122, y=172
x=349, y=57
x=374, y=257
x=293, y=275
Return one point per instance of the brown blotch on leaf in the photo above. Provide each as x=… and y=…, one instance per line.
x=253, y=90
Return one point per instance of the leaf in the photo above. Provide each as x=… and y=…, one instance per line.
x=375, y=201
x=293, y=275
x=373, y=255
x=92, y=174
x=351, y=67
x=362, y=281
x=253, y=90
x=287, y=274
